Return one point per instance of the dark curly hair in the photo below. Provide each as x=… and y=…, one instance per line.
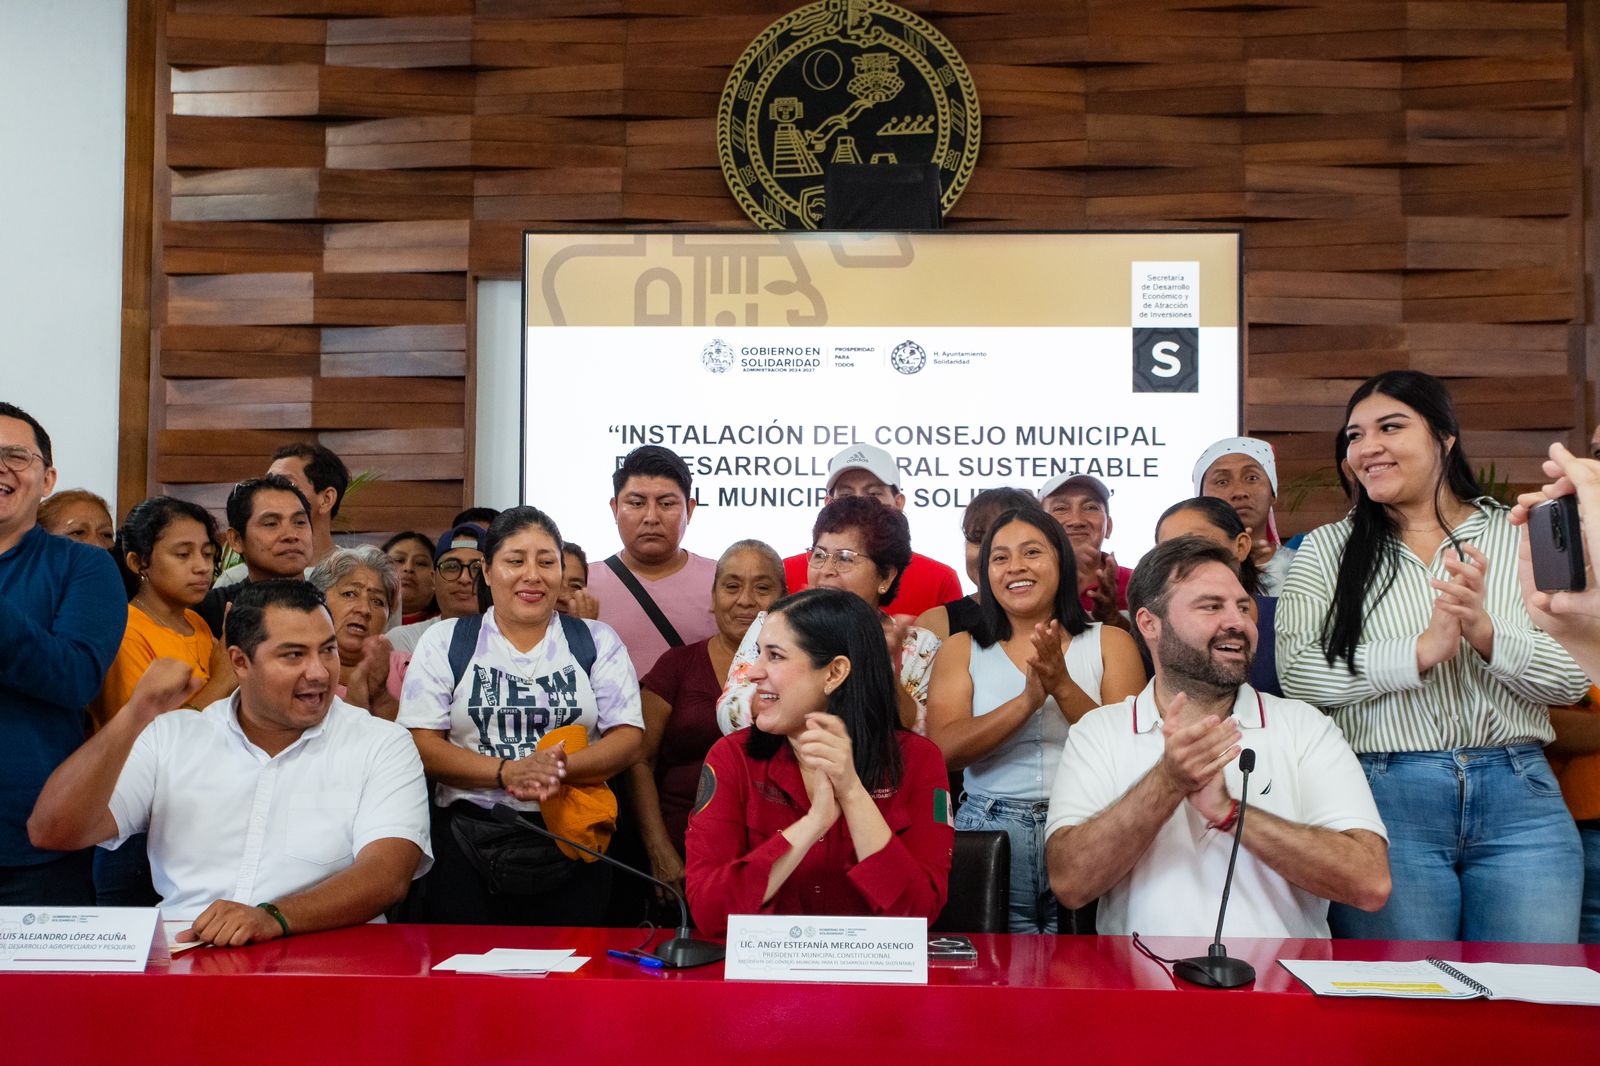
x=885, y=534
x=144, y=527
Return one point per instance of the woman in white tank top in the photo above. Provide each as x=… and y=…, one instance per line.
x=1003, y=696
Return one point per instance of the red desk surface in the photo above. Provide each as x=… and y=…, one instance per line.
x=369, y=992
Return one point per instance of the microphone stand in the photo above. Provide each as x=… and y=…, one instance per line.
x=683, y=951
x=1215, y=969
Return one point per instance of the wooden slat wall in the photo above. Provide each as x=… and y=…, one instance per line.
x=332, y=174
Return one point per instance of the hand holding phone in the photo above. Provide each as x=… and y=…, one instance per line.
x=1555, y=539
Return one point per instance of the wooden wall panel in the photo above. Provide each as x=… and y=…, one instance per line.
x=330, y=175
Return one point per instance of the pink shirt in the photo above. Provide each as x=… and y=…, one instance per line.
x=684, y=597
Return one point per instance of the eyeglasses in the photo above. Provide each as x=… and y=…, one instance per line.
x=16, y=458
x=843, y=560
x=451, y=569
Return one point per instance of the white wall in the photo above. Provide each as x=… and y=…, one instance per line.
x=498, y=480
x=62, y=77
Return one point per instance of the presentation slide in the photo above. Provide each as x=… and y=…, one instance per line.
x=975, y=359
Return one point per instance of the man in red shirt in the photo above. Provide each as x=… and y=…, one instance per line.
x=862, y=470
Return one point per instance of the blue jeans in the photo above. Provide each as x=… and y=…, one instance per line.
x=1033, y=905
x=1589, y=927
x=1481, y=847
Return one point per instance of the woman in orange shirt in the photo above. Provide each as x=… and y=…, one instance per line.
x=167, y=551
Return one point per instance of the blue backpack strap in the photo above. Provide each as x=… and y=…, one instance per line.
x=463, y=642
x=580, y=642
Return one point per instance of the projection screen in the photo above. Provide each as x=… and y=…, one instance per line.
x=975, y=359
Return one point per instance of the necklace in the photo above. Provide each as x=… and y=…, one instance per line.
x=158, y=610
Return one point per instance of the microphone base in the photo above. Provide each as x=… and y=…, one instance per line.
x=685, y=953
x=1215, y=971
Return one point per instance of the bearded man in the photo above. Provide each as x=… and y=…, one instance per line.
x=1148, y=790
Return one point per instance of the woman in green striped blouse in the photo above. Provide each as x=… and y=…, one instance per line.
x=1405, y=623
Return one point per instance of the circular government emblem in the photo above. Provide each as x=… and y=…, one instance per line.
x=842, y=81
x=908, y=357
x=717, y=356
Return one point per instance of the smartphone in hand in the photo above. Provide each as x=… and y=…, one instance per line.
x=1555, y=540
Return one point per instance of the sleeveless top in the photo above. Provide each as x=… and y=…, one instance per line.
x=1023, y=766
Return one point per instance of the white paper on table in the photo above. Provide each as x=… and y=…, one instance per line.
x=555, y=961
x=1392, y=980
x=517, y=960
x=1573, y=986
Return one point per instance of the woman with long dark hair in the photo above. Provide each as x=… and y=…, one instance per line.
x=962, y=616
x=825, y=804
x=523, y=707
x=1004, y=695
x=1404, y=622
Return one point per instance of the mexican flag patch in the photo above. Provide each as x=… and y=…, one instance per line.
x=941, y=807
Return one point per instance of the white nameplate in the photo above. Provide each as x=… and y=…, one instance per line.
x=111, y=939
x=773, y=947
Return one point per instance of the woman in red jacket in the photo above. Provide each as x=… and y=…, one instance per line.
x=825, y=805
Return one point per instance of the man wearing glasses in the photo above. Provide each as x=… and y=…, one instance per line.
x=62, y=613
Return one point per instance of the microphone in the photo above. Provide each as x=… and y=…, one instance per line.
x=683, y=951
x=1215, y=969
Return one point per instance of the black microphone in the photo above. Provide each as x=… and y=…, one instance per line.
x=683, y=951
x=1215, y=969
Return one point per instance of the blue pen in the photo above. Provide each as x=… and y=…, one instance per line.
x=649, y=962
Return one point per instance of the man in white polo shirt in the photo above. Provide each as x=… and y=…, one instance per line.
x=279, y=809
x=1146, y=796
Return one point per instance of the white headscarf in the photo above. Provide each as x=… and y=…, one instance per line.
x=1258, y=450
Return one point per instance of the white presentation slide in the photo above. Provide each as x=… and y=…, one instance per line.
x=976, y=360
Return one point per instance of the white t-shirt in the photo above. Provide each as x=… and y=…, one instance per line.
x=508, y=700
x=228, y=822
x=1305, y=772
x=406, y=638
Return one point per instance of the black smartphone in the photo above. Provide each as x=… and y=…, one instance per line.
x=1555, y=540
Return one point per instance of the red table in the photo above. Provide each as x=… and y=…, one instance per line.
x=367, y=996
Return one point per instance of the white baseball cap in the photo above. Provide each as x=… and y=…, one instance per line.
x=875, y=461
x=1088, y=481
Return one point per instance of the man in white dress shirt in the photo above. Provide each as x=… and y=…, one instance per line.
x=1146, y=796
x=279, y=809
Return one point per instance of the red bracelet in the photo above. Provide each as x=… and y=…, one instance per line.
x=1227, y=823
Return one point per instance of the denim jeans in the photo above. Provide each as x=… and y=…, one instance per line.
x=1033, y=906
x=1589, y=928
x=1481, y=847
